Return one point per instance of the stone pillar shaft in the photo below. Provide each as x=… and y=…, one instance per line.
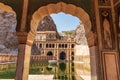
x=20, y=62
x=22, y=69
x=23, y=59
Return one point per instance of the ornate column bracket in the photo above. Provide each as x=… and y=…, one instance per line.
x=26, y=38
x=22, y=37
x=91, y=39
x=25, y=42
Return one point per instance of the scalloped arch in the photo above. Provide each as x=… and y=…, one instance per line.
x=56, y=8
x=61, y=7
x=6, y=8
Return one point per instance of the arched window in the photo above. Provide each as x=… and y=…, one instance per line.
x=59, y=45
x=72, y=53
x=65, y=45
x=53, y=45
x=62, y=56
x=40, y=46
x=72, y=46
x=62, y=45
x=46, y=45
x=49, y=53
x=49, y=45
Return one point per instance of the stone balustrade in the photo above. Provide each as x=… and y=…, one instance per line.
x=43, y=58
x=8, y=58
x=13, y=58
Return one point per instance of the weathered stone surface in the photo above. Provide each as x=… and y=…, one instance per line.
x=91, y=38
x=82, y=50
x=85, y=39
x=47, y=24
x=8, y=38
x=35, y=50
x=80, y=35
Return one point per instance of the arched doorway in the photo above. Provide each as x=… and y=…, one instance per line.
x=62, y=56
x=56, y=8
x=49, y=53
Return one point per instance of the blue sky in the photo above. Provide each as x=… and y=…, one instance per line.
x=65, y=22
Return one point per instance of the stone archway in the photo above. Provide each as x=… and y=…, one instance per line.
x=62, y=56
x=60, y=7
x=6, y=8
x=49, y=53
x=47, y=10
x=8, y=24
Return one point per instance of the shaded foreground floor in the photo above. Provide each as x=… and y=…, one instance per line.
x=41, y=77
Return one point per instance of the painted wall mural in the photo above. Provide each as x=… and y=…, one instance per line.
x=106, y=29
x=104, y=2
x=117, y=11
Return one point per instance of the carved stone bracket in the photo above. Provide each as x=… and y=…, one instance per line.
x=91, y=38
x=22, y=37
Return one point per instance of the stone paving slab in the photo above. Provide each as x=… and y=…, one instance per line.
x=40, y=77
x=6, y=79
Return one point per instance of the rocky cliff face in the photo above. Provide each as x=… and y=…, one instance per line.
x=80, y=35
x=35, y=50
x=85, y=39
x=47, y=24
x=8, y=38
x=81, y=47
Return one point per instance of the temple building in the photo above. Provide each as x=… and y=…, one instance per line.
x=49, y=45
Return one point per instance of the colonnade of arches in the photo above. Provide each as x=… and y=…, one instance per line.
x=60, y=45
x=62, y=55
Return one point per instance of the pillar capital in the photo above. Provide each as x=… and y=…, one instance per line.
x=22, y=37
x=26, y=38
x=91, y=38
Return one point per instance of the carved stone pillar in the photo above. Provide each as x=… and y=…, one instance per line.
x=23, y=59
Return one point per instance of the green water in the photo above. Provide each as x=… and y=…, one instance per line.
x=7, y=71
x=61, y=71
